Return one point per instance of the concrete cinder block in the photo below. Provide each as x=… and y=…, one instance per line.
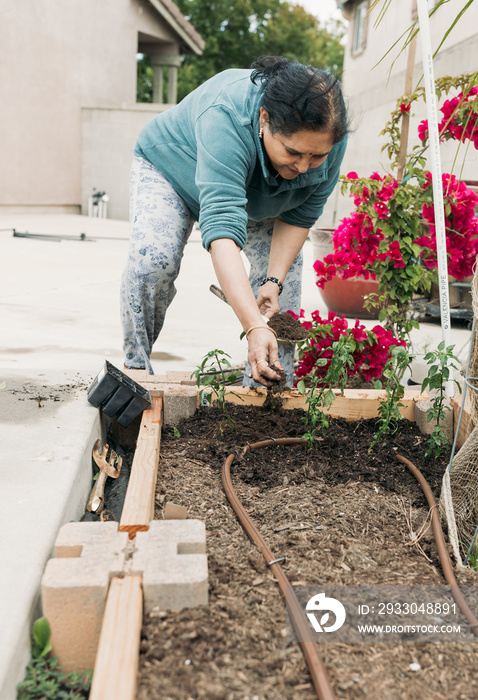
x=427, y=426
x=75, y=586
x=180, y=402
x=175, y=377
x=172, y=557
x=178, y=390
x=139, y=375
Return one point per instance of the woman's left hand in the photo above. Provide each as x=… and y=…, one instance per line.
x=268, y=299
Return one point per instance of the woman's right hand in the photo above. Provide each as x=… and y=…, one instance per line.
x=262, y=352
x=233, y=280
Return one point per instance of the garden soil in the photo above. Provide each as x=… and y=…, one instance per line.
x=339, y=515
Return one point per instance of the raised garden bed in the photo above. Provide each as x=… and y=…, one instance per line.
x=338, y=515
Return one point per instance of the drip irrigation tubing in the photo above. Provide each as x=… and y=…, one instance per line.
x=445, y=561
x=308, y=645
x=315, y=664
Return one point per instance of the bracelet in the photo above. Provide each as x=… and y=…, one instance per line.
x=254, y=328
x=272, y=279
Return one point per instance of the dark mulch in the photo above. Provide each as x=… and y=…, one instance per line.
x=339, y=515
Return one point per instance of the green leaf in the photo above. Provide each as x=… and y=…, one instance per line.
x=41, y=637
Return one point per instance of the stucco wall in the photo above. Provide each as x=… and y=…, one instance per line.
x=108, y=137
x=56, y=57
x=371, y=93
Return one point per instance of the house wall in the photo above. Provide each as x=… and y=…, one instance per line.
x=108, y=137
x=372, y=93
x=58, y=56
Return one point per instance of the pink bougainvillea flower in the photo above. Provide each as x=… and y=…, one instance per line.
x=382, y=210
x=359, y=332
x=423, y=130
x=387, y=191
x=461, y=229
x=394, y=253
x=371, y=348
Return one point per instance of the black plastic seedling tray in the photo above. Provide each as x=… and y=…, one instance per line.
x=118, y=395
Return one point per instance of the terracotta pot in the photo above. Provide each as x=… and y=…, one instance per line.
x=345, y=297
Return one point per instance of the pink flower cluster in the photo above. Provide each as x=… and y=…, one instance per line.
x=358, y=242
x=461, y=228
x=372, y=348
x=459, y=119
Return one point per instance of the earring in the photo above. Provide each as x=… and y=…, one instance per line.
x=261, y=131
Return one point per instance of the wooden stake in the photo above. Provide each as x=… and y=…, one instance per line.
x=402, y=154
x=116, y=667
x=138, y=509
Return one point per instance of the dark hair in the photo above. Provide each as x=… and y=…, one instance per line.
x=299, y=97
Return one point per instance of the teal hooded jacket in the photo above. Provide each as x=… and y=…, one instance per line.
x=208, y=148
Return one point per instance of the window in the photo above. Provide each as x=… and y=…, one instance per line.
x=359, y=26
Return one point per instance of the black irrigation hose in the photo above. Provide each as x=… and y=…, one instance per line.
x=316, y=666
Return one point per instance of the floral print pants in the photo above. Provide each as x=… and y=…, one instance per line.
x=160, y=227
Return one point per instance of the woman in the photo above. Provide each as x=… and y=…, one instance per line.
x=253, y=157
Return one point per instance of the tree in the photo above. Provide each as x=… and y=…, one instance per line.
x=238, y=31
x=144, y=80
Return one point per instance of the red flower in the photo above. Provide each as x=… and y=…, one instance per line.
x=423, y=130
x=405, y=107
x=382, y=210
x=387, y=191
x=372, y=348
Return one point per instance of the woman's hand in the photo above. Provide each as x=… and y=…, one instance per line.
x=262, y=352
x=233, y=280
x=268, y=299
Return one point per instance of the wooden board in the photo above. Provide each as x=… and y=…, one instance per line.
x=138, y=509
x=353, y=405
x=466, y=423
x=116, y=667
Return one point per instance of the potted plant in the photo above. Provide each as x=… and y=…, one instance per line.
x=389, y=236
x=342, y=296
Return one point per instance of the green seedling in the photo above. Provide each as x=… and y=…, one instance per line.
x=389, y=409
x=211, y=378
x=473, y=557
x=441, y=361
x=41, y=638
x=319, y=394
